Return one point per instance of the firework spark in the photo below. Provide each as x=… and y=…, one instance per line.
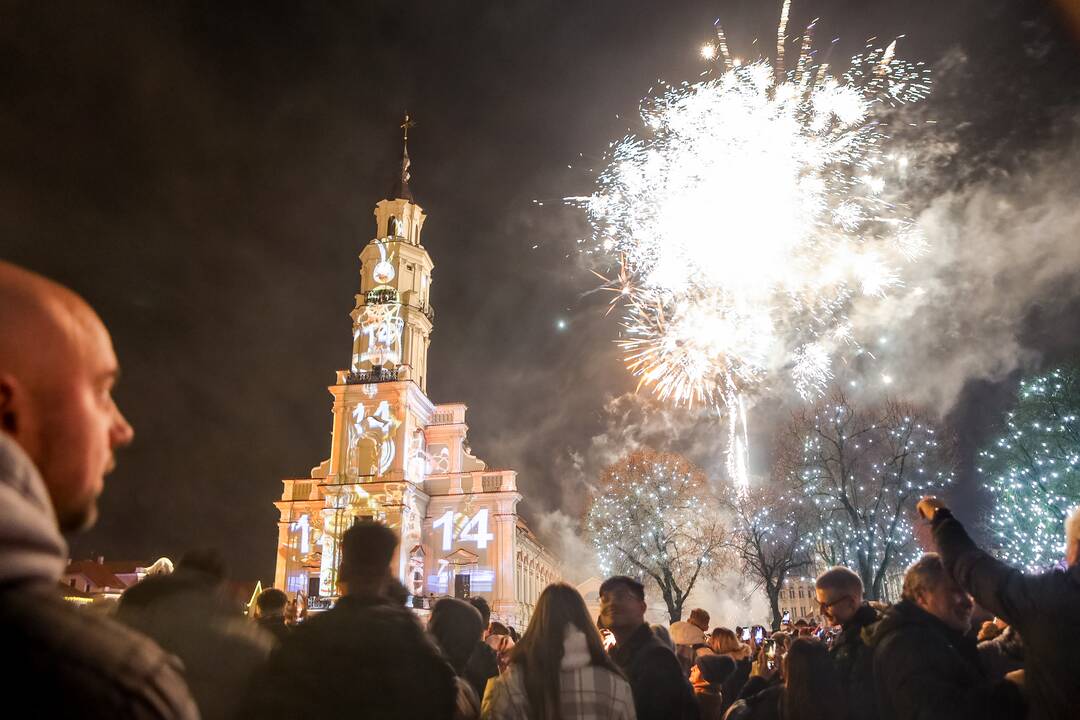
x=748, y=216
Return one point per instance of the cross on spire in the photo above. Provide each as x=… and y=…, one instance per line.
x=405, y=127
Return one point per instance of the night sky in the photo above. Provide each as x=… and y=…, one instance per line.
x=205, y=175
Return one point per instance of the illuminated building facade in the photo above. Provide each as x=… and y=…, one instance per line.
x=397, y=457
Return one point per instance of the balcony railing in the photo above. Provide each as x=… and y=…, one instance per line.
x=374, y=375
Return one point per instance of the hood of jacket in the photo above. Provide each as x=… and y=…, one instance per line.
x=32, y=549
x=575, y=650
x=904, y=614
x=684, y=633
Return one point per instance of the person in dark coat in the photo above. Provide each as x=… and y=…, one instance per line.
x=1044, y=609
x=271, y=604
x=840, y=597
x=707, y=678
x=1002, y=654
x=925, y=667
x=484, y=662
x=367, y=657
x=59, y=431
x=811, y=689
x=190, y=614
x=725, y=641
x=661, y=691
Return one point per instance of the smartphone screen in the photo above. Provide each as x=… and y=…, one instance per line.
x=746, y=633
x=787, y=617
x=759, y=633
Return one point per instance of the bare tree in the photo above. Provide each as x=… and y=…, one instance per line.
x=864, y=469
x=653, y=517
x=768, y=537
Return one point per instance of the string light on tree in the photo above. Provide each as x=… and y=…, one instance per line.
x=650, y=517
x=1032, y=470
x=864, y=469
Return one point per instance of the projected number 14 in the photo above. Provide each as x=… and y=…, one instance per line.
x=474, y=529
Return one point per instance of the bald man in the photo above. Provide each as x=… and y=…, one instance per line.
x=59, y=428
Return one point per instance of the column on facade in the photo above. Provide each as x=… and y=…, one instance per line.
x=283, y=555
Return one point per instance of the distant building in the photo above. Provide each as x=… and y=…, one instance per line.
x=797, y=597
x=397, y=457
x=99, y=579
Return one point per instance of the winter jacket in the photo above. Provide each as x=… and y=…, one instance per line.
x=925, y=670
x=586, y=691
x=764, y=705
x=736, y=681
x=78, y=664
x=710, y=701
x=1003, y=654
x=483, y=665
x=364, y=658
x=275, y=626
x=661, y=691
x=690, y=643
x=188, y=615
x=855, y=664
x=1044, y=609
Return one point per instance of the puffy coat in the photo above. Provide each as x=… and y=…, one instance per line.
x=925, y=670
x=71, y=663
x=1044, y=609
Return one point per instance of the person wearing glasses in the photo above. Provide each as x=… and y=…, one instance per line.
x=840, y=597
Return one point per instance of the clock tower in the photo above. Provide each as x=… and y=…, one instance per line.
x=397, y=457
x=392, y=320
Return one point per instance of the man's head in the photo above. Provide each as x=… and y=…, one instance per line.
x=206, y=563
x=271, y=603
x=57, y=371
x=366, y=551
x=839, y=595
x=481, y=605
x=699, y=619
x=622, y=603
x=928, y=584
x=1072, y=538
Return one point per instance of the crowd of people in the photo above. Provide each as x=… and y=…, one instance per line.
x=174, y=648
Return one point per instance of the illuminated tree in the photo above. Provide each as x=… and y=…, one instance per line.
x=864, y=469
x=768, y=537
x=652, y=517
x=1032, y=470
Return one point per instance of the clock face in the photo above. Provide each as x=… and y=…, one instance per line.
x=383, y=272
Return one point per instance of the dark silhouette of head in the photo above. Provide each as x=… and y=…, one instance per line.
x=457, y=626
x=366, y=551
x=715, y=669
x=810, y=675
x=483, y=608
x=206, y=564
x=271, y=602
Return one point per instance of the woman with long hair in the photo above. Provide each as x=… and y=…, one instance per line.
x=560, y=669
x=811, y=689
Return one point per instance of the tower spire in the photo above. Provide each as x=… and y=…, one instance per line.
x=401, y=184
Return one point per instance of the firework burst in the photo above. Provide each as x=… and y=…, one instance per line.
x=748, y=215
